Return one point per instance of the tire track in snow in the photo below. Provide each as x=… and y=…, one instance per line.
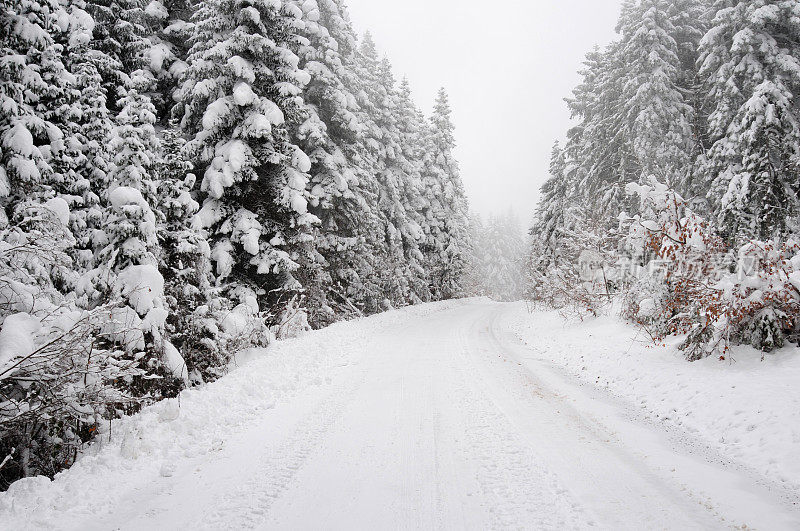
x=248, y=506
x=521, y=492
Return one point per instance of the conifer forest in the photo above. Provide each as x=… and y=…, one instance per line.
x=230, y=232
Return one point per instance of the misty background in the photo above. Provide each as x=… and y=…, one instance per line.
x=507, y=98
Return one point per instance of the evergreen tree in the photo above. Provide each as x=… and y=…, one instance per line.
x=120, y=34
x=601, y=145
x=498, y=258
x=185, y=262
x=127, y=271
x=383, y=155
x=339, y=275
x=87, y=158
x=448, y=244
x=31, y=73
x=54, y=398
x=751, y=65
x=168, y=31
x=241, y=93
x=414, y=132
x=659, y=119
x=552, y=214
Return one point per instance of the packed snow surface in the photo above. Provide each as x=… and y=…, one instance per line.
x=458, y=415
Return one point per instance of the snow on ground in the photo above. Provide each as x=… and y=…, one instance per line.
x=439, y=416
x=152, y=444
x=745, y=408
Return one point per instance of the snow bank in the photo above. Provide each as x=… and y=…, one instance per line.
x=745, y=408
x=136, y=451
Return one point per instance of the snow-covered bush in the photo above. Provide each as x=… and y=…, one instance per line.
x=687, y=282
x=61, y=366
x=57, y=386
x=763, y=295
x=292, y=322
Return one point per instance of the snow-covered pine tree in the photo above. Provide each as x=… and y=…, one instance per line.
x=690, y=20
x=340, y=278
x=127, y=271
x=658, y=117
x=120, y=32
x=552, y=214
x=55, y=378
x=85, y=162
x=193, y=325
x=367, y=158
x=600, y=145
x=241, y=90
x=499, y=256
x=35, y=95
x=168, y=35
x=28, y=139
x=448, y=245
x=474, y=285
x=383, y=153
x=414, y=131
x=750, y=62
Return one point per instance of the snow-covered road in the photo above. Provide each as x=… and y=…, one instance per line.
x=437, y=419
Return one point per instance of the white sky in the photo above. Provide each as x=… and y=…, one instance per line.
x=507, y=67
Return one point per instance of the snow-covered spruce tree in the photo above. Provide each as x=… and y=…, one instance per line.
x=690, y=20
x=168, y=32
x=658, y=117
x=26, y=142
x=474, y=285
x=497, y=258
x=414, y=131
x=28, y=138
x=340, y=278
x=550, y=223
x=601, y=145
x=57, y=382
x=401, y=235
x=120, y=32
x=448, y=246
x=566, y=231
x=82, y=167
x=750, y=62
x=185, y=263
x=382, y=149
x=367, y=157
x=240, y=94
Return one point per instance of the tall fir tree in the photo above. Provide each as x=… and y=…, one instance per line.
x=659, y=119
x=552, y=213
x=383, y=154
x=448, y=243
x=751, y=65
x=339, y=276
x=241, y=94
